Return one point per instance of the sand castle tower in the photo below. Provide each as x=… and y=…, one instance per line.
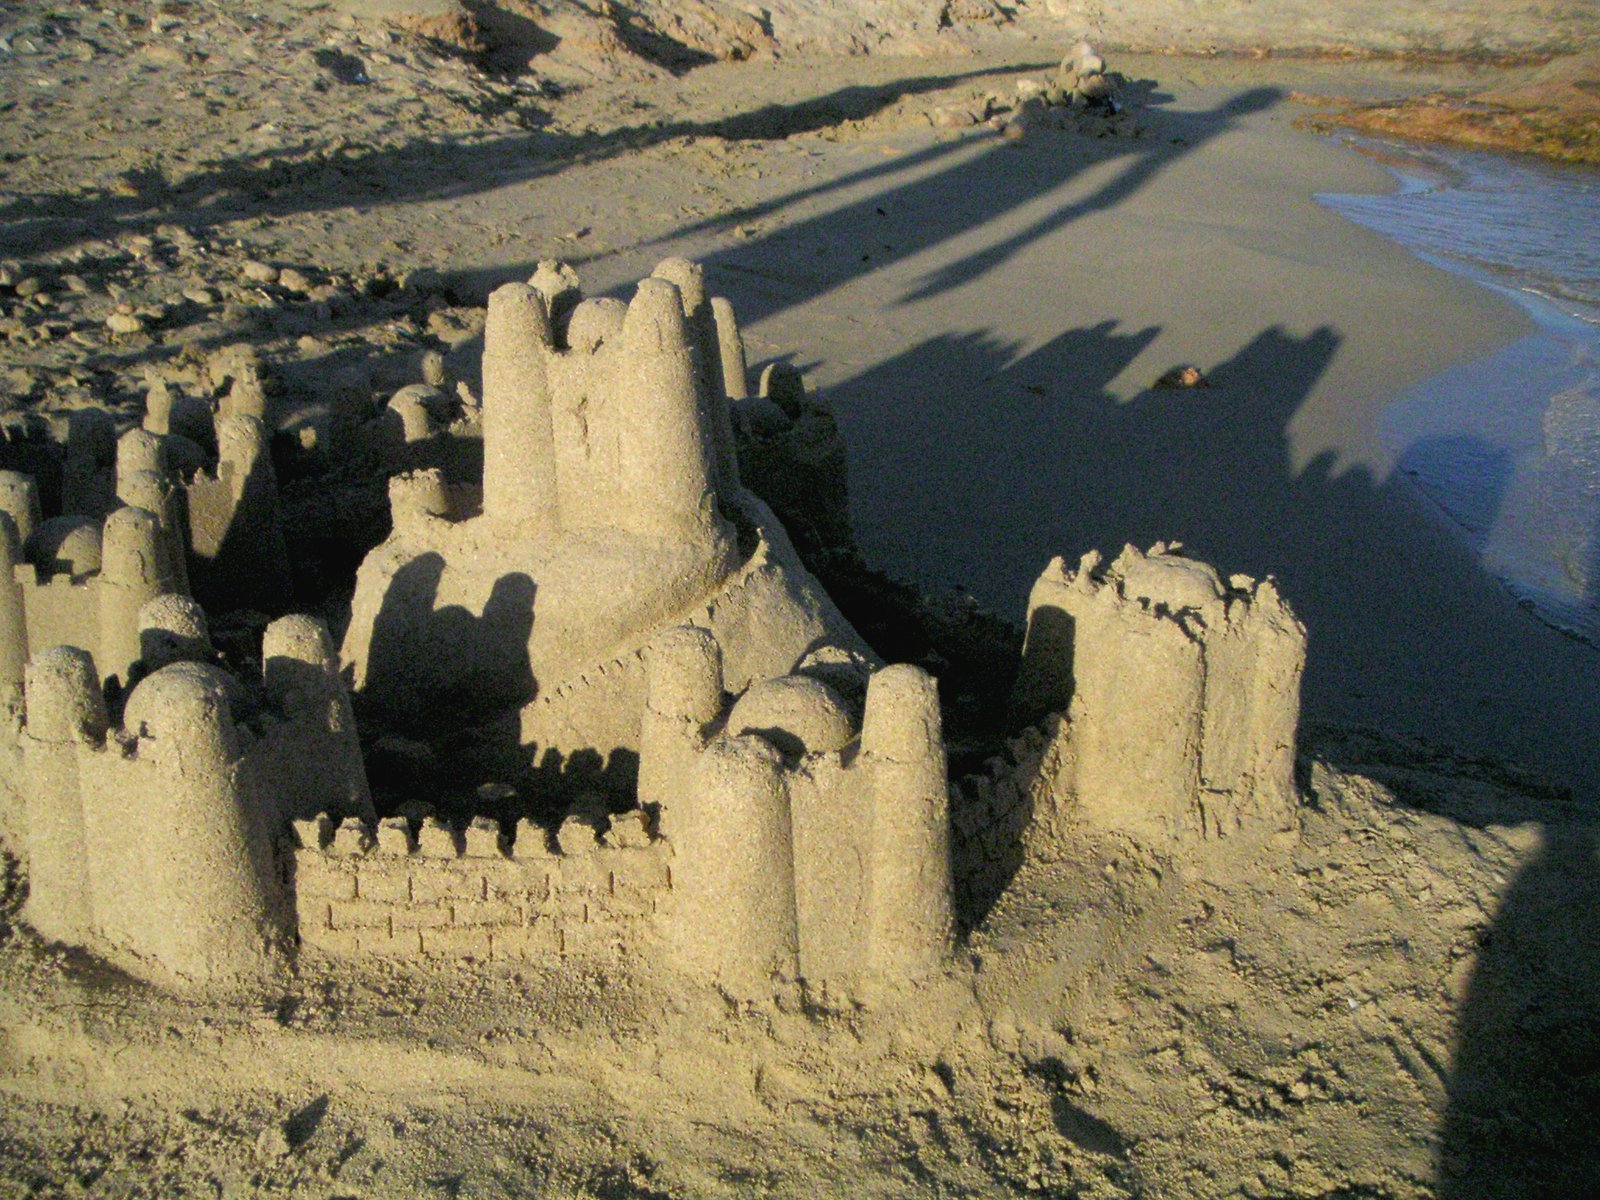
x=72, y=581
x=805, y=845
x=224, y=515
x=189, y=890
x=235, y=529
x=80, y=578
x=1181, y=691
x=611, y=509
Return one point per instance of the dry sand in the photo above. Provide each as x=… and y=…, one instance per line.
x=1399, y=1001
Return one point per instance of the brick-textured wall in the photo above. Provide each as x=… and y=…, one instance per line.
x=359, y=891
x=989, y=814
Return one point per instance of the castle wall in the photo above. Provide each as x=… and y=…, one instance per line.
x=365, y=892
x=832, y=900
x=60, y=610
x=991, y=814
x=153, y=842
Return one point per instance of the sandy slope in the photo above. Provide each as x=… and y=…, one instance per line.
x=1397, y=1000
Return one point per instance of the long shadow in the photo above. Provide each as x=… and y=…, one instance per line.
x=457, y=668
x=1524, y=1092
x=305, y=179
x=1524, y=1089
x=894, y=211
x=1000, y=461
x=1145, y=164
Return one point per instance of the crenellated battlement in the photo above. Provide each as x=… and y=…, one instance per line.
x=75, y=581
x=211, y=764
x=208, y=480
x=435, y=892
x=775, y=806
x=809, y=844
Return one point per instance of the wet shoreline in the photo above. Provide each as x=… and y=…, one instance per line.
x=1507, y=449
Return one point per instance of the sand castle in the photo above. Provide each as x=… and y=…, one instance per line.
x=614, y=590
x=208, y=479
x=212, y=766
x=611, y=507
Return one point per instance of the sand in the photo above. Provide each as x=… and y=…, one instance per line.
x=1396, y=998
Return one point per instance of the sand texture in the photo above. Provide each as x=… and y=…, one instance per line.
x=567, y=628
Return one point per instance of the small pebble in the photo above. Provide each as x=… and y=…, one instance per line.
x=952, y=117
x=1183, y=377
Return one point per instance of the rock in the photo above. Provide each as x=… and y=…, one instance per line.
x=1096, y=87
x=204, y=297
x=1183, y=377
x=953, y=117
x=293, y=281
x=259, y=272
x=446, y=21
x=124, y=323
x=433, y=372
x=272, y=1142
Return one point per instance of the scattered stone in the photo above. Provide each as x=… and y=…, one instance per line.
x=1183, y=377
x=954, y=117
x=124, y=323
x=259, y=272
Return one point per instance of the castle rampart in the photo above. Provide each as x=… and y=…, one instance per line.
x=434, y=893
x=75, y=582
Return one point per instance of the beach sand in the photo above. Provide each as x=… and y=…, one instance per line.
x=989, y=317
x=1396, y=998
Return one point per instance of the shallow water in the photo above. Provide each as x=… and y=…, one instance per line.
x=1508, y=447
